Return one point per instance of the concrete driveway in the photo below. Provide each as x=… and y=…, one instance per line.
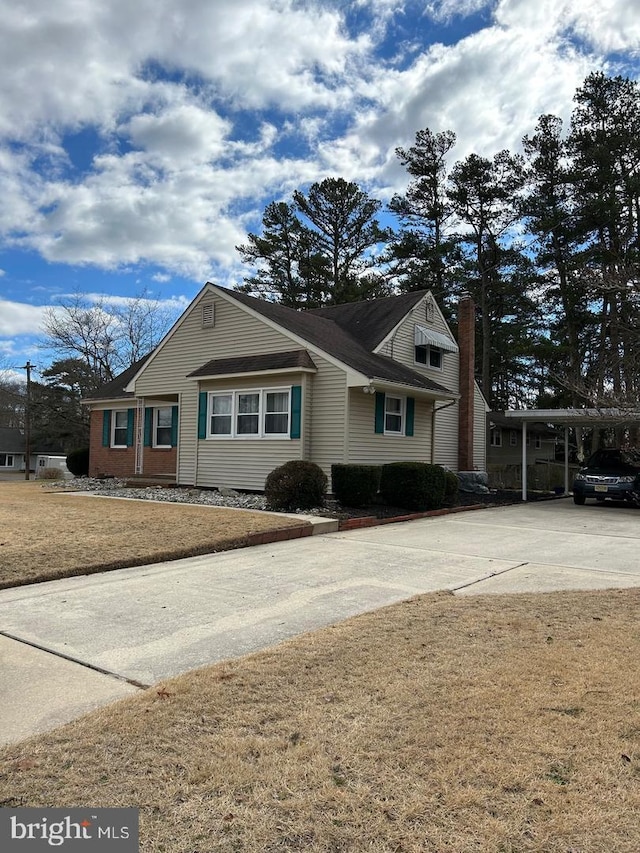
x=70, y=645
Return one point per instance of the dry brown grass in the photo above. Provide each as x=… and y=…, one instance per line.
x=500, y=724
x=46, y=534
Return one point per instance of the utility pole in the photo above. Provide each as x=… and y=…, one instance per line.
x=27, y=421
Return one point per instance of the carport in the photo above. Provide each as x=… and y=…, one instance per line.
x=567, y=418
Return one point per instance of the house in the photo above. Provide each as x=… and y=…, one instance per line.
x=12, y=449
x=13, y=453
x=505, y=442
x=240, y=385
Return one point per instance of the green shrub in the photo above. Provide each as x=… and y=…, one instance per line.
x=295, y=485
x=355, y=485
x=413, y=485
x=49, y=474
x=78, y=462
x=451, y=484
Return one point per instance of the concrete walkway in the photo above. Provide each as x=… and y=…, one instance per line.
x=70, y=645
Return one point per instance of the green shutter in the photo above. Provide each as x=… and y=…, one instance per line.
x=296, y=410
x=106, y=428
x=202, y=414
x=411, y=409
x=131, y=415
x=174, y=426
x=148, y=426
x=379, y=411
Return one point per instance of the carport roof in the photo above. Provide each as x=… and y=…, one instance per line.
x=575, y=417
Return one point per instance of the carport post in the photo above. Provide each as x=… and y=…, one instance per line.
x=566, y=459
x=524, y=459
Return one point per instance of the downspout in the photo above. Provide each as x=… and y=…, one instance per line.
x=433, y=425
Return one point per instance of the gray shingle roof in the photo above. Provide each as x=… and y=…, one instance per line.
x=374, y=321
x=11, y=440
x=256, y=363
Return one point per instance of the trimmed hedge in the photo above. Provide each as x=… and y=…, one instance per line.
x=355, y=485
x=451, y=485
x=416, y=486
x=295, y=485
x=78, y=462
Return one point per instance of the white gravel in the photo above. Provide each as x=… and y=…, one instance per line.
x=117, y=489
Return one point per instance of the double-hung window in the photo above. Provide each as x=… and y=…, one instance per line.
x=6, y=460
x=258, y=414
x=393, y=415
x=162, y=427
x=119, y=423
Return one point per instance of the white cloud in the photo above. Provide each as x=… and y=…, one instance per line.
x=19, y=318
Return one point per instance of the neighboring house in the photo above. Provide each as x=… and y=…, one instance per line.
x=240, y=385
x=13, y=451
x=505, y=441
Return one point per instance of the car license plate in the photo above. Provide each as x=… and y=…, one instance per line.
x=601, y=488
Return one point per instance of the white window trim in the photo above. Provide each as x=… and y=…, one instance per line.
x=495, y=437
x=8, y=460
x=427, y=364
x=154, y=435
x=235, y=393
x=402, y=413
x=113, y=428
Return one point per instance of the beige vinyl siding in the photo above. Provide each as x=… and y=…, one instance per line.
x=244, y=463
x=446, y=443
x=479, y=431
x=189, y=347
x=366, y=447
x=402, y=348
x=328, y=414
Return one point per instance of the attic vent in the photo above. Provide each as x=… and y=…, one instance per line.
x=208, y=316
x=428, y=310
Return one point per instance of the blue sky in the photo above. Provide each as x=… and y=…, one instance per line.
x=140, y=141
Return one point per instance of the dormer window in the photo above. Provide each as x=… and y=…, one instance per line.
x=430, y=347
x=429, y=355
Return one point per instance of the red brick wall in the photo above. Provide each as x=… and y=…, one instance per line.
x=120, y=462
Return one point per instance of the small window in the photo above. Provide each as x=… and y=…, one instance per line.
x=6, y=460
x=496, y=437
x=119, y=434
x=513, y=438
x=162, y=427
x=431, y=356
x=393, y=410
x=537, y=442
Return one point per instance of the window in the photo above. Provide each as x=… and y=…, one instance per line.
x=221, y=414
x=393, y=410
x=162, y=427
x=276, y=417
x=429, y=355
x=537, y=442
x=513, y=438
x=6, y=460
x=238, y=414
x=119, y=429
x=496, y=437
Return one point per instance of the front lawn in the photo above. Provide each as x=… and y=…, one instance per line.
x=46, y=534
x=501, y=724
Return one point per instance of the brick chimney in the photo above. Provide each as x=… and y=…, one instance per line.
x=467, y=346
